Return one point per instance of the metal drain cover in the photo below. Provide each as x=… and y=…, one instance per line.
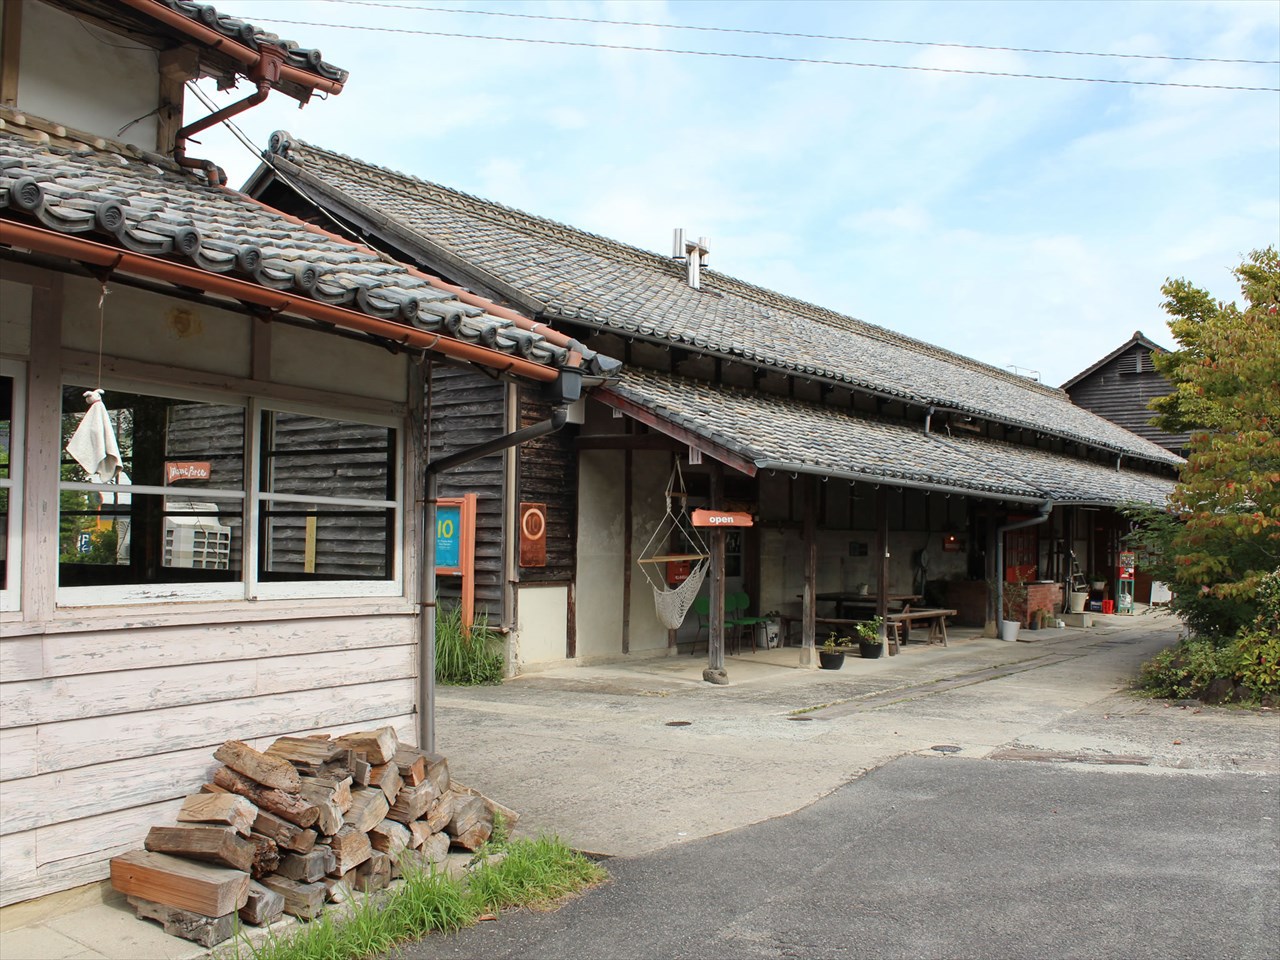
x=945, y=748
x=678, y=723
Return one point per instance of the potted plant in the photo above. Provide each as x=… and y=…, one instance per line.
x=1076, y=599
x=1015, y=599
x=869, y=644
x=831, y=656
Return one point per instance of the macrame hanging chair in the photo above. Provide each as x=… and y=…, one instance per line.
x=672, y=603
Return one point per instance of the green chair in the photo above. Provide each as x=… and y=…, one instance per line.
x=702, y=608
x=736, y=606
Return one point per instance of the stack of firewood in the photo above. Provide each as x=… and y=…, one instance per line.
x=304, y=824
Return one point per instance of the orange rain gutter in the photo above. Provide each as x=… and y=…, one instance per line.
x=56, y=244
x=223, y=44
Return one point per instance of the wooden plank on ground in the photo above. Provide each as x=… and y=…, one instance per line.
x=206, y=931
x=198, y=887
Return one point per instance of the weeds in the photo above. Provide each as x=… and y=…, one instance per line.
x=532, y=873
x=464, y=660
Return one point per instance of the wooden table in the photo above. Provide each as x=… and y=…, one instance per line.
x=846, y=601
x=935, y=617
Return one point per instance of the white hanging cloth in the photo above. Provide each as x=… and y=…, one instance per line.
x=93, y=445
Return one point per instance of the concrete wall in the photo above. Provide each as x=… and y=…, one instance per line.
x=85, y=77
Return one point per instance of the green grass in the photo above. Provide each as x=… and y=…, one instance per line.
x=535, y=873
x=463, y=660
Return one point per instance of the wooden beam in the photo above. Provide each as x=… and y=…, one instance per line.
x=715, y=632
x=9, y=54
x=882, y=558
x=809, y=522
x=686, y=437
x=627, y=520
x=628, y=441
x=177, y=66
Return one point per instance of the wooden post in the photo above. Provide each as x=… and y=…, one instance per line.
x=715, y=673
x=626, y=550
x=809, y=532
x=882, y=555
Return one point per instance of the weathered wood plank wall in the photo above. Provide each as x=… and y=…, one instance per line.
x=103, y=731
x=548, y=474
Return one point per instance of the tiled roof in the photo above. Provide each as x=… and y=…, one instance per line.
x=786, y=434
x=143, y=203
x=254, y=37
x=591, y=279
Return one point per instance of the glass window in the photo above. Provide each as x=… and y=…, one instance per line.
x=169, y=509
x=327, y=499
x=11, y=423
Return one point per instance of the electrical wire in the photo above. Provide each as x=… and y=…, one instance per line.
x=773, y=58
x=798, y=36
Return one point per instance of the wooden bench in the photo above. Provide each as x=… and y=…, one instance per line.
x=935, y=617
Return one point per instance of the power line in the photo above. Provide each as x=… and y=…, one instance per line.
x=776, y=59
x=798, y=36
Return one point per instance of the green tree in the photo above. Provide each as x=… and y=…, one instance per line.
x=1226, y=378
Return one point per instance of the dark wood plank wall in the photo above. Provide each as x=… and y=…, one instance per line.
x=1121, y=390
x=469, y=408
x=548, y=474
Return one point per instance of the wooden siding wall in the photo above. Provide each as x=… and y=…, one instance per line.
x=469, y=408
x=103, y=730
x=548, y=474
x=1120, y=395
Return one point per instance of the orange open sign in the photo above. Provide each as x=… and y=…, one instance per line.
x=721, y=518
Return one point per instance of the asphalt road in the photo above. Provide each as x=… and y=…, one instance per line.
x=946, y=857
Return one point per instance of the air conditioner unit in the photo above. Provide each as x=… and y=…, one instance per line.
x=196, y=542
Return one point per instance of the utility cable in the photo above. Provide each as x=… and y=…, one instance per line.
x=798, y=36
x=776, y=59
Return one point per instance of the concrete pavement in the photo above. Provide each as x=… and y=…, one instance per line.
x=595, y=755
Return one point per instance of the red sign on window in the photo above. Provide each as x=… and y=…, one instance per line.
x=187, y=470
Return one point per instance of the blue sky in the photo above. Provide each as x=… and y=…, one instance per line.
x=1018, y=221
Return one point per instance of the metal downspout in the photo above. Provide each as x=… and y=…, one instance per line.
x=427, y=591
x=1046, y=508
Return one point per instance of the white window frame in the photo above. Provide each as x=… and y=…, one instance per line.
x=248, y=587
x=318, y=589
x=132, y=593
x=11, y=592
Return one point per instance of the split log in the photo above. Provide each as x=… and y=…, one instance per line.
x=212, y=788
x=258, y=767
x=237, y=812
x=412, y=763
x=374, y=874
x=266, y=854
x=308, y=754
x=440, y=812
x=509, y=816
x=335, y=790
x=263, y=907
x=287, y=835
x=302, y=900
x=290, y=807
x=206, y=931
x=419, y=831
x=368, y=807
x=438, y=771
x=386, y=776
x=339, y=890
x=390, y=837
x=308, y=867
x=432, y=853
x=413, y=802
x=351, y=847
x=220, y=845
x=375, y=746
x=436, y=849
x=199, y=887
x=473, y=837
x=468, y=810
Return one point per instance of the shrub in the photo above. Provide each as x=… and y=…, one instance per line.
x=465, y=660
x=1249, y=666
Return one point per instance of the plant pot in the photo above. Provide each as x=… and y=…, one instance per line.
x=830, y=659
x=870, y=649
x=1009, y=630
x=1098, y=585
x=1076, y=601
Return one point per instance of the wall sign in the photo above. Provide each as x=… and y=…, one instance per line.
x=187, y=470
x=533, y=534
x=455, y=544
